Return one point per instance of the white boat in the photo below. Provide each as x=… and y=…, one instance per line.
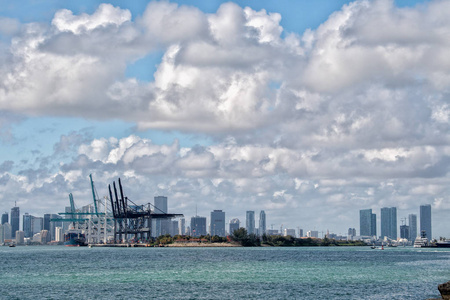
x=421, y=241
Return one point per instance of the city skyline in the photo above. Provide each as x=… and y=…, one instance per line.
x=219, y=225
x=307, y=110
x=390, y=228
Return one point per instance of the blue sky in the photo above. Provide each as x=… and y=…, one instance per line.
x=339, y=104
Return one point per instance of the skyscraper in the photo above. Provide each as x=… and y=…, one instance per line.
x=5, y=232
x=412, y=222
x=182, y=226
x=250, y=222
x=26, y=225
x=351, y=233
x=262, y=223
x=47, y=222
x=425, y=220
x=37, y=223
x=4, y=218
x=404, y=231
x=15, y=220
x=161, y=225
x=373, y=226
x=217, y=223
x=174, y=230
x=234, y=225
x=20, y=237
x=367, y=223
x=198, y=226
x=59, y=234
x=389, y=222
x=54, y=224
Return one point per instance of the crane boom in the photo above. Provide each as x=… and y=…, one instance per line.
x=93, y=195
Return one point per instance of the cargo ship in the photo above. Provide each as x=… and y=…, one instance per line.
x=74, y=238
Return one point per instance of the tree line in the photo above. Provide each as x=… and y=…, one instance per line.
x=242, y=237
x=248, y=240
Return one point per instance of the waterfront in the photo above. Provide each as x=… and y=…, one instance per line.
x=54, y=272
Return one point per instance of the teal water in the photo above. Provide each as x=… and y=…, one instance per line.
x=56, y=272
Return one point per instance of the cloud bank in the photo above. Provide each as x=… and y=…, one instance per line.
x=353, y=114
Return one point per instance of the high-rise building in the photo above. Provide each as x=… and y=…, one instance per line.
x=250, y=222
x=5, y=232
x=86, y=209
x=412, y=222
x=262, y=223
x=182, y=226
x=174, y=228
x=404, y=231
x=367, y=223
x=46, y=222
x=161, y=225
x=217, y=223
x=351, y=233
x=45, y=237
x=26, y=225
x=198, y=226
x=389, y=222
x=312, y=233
x=20, y=237
x=15, y=220
x=4, y=218
x=300, y=232
x=425, y=220
x=373, y=228
x=59, y=234
x=234, y=225
x=37, y=223
x=288, y=231
x=54, y=224
x=2, y=234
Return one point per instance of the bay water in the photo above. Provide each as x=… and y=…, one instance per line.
x=58, y=272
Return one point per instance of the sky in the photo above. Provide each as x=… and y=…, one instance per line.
x=308, y=110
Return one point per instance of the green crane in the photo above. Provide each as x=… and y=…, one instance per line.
x=93, y=195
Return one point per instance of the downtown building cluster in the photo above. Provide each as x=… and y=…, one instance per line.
x=199, y=226
x=389, y=225
x=40, y=230
x=51, y=227
x=218, y=225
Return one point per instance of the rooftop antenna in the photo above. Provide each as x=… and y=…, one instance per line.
x=196, y=210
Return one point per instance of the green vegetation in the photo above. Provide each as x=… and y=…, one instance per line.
x=251, y=240
x=289, y=241
x=168, y=239
x=247, y=240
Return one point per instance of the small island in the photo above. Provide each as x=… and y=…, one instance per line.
x=240, y=238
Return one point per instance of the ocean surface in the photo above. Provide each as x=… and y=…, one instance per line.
x=58, y=272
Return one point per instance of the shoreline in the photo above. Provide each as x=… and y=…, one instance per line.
x=196, y=244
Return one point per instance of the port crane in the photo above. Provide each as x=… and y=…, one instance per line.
x=131, y=219
x=91, y=220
